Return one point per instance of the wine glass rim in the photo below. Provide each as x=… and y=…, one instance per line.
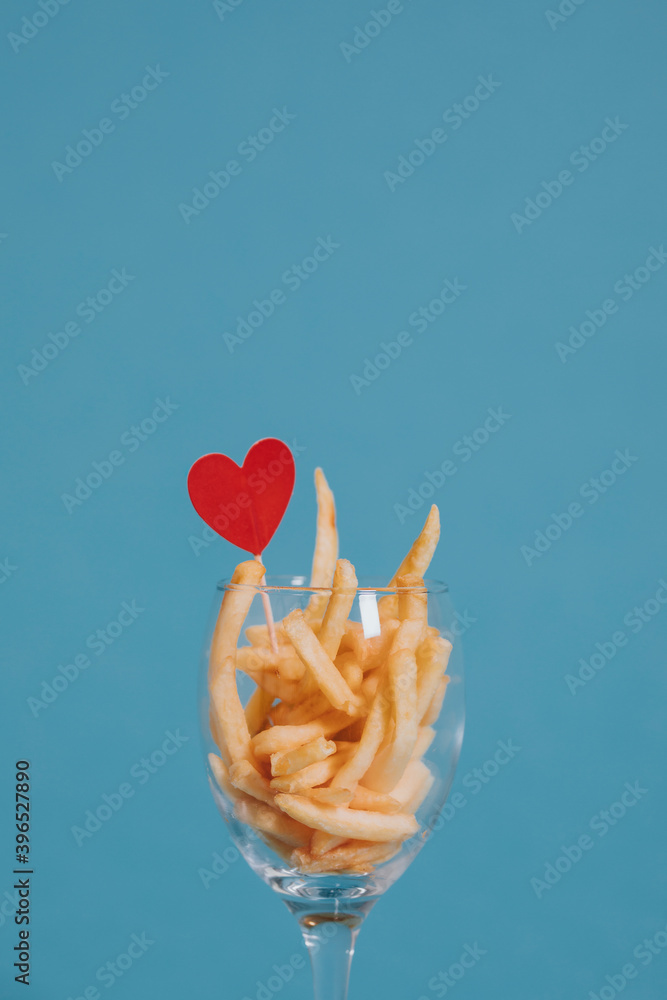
x=297, y=584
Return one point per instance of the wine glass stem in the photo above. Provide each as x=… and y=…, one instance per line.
x=330, y=942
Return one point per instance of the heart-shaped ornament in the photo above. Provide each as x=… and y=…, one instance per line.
x=245, y=504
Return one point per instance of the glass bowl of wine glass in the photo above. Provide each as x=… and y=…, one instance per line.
x=332, y=721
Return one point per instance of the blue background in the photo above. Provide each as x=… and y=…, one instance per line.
x=163, y=338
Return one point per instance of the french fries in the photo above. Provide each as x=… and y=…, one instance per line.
x=325, y=761
x=326, y=545
x=348, y=823
x=315, y=658
x=290, y=761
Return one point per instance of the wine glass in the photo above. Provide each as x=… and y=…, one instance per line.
x=331, y=906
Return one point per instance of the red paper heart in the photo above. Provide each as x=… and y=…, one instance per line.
x=244, y=504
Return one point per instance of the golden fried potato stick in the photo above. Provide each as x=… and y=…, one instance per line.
x=268, y=820
x=424, y=739
x=308, y=753
x=414, y=786
x=432, y=658
x=341, y=822
x=221, y=775
x=246, y=777
x=373, y=733
x=273, y=685
x=408, y=635
x=412, y=602
x=233, y=610
x=331, y=796
x=369, y=653
x=326, y=540
x=313, y=775
x=357, y=856
x=338, y=608
x=279, y=739
x=286, y=664
x=323, y=669
x=230, y=718
x=218, y=737
x=419, y=557
x=318, y=703
x=388, y=767
x=364, y=798
x=256, y=709
x=416, y=561
x=433, y=711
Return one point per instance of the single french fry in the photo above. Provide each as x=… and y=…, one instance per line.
x=338, y=608
x=256, y=709
x=313, y=775
x=274, y=685
x=416, y=561
x=356, y=856
x=350, y=670
x=419, y=557
x=286, y=663
x=248, y=779
x=331, y=796
x=233, y=610
x=425, y=737
x=268, y=820
x=280, y=739
x=220, y=772
x=408, y=635
x=432, y=658
x=369, y=653
x=373, y=733
x=218, y=738
x=387, y=769
x=228, y=710
x=413, y=599
x=326, y=545
x=319, y=664
x=302, y=756
x=414, y=786
x=369, y=685
x=433, y=710
x=364, y=798
x=349, y=823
